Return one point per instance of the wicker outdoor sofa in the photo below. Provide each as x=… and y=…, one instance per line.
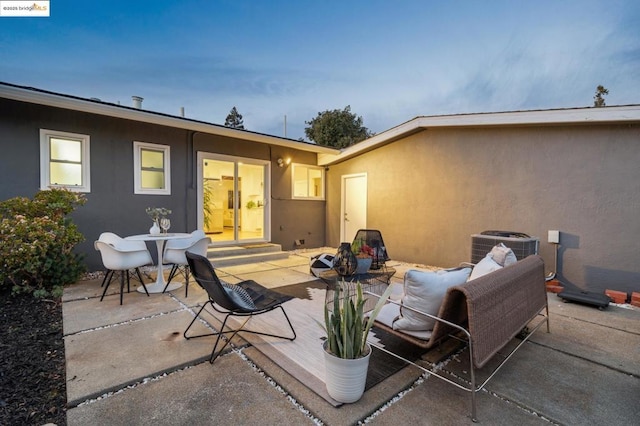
x=487, y=313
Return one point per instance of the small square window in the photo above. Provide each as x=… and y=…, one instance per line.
x=151, y=174
x=64, y=161
x=308, y=182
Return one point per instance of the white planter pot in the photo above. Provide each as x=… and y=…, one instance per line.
x=345, y=378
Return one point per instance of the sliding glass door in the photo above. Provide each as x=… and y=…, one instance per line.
x=233, y=200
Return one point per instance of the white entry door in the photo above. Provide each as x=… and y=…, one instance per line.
x=354, y=205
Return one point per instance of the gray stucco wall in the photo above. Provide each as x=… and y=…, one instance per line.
x=111, y=204
x=290, y=219
x=430, y=191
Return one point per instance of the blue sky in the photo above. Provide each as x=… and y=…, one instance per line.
x=390, y=60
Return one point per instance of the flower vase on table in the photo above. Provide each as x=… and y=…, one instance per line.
x=155, y=229
x=157, y=214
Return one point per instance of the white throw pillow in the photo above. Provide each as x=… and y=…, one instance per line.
x=503, y=255
x=484, y=267
x=424, y=291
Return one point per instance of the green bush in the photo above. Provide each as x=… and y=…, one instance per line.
x=37, y=239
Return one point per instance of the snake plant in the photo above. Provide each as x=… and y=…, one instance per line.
x=346, y=325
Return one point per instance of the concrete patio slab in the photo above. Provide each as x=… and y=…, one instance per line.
x=613, y=316
x=290, y=262
x=303, y=269
x=347, y=414
x=85, y=289
x=227, y=393
x=593, y=343
x=434, y=402
x=87, y=314
x=584, y=372
x=245, y=268
x=90, y=288
x=111, y=358
x=567, y=389
x=278, y=277
x=197, y=295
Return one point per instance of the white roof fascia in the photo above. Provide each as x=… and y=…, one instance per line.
x=577, y=116
x=128, y=113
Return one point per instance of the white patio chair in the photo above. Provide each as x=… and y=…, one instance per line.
x=122, y=259
x=120, y=243
x=174, y=254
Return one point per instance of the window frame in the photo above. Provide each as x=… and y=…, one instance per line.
x=45, y=159
x=137, y=165
x=293, y=182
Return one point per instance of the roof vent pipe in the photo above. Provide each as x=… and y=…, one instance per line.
x=137, y=102
x=181, y=111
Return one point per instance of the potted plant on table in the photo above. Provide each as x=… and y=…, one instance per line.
x=364, y=255
x=346, y=349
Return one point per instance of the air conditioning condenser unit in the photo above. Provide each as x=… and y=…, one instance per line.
x=522, y=244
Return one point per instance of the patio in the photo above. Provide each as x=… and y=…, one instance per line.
x=586, y=371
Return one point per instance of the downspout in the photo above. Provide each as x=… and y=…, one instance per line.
x=191, y=159
x=554, y=238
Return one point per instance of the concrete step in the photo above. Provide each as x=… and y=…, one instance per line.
x=243, y=254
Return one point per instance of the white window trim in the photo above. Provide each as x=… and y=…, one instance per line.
x=137, y=165
x=45, y=160
x=293, y=183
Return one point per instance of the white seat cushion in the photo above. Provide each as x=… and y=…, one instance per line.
x=388, y=315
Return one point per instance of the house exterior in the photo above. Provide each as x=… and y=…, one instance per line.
x=237, y=185
x=427, y=184
x=433, y=182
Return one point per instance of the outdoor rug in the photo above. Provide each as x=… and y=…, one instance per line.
x=303, y=358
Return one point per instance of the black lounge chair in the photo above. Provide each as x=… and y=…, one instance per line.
x=245, y=299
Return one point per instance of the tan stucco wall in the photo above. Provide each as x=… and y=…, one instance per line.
x=430, y=191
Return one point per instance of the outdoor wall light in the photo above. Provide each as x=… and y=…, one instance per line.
x=283, y=161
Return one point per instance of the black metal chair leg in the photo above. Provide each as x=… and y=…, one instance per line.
x=142, y=282
x=194, y=320
x=215, y=355
x=110, y=275
x=106, y=273
x=171, y=275
x=186, y=281
x=122, y=273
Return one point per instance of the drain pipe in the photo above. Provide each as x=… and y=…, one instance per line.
x=554, y=238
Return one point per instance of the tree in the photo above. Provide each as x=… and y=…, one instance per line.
x=598, y=99
x=337, y=129
x=234, y=119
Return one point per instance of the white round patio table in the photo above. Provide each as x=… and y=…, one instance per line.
x=158, y=286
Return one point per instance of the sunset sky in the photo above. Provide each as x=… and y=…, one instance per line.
x=390, y=60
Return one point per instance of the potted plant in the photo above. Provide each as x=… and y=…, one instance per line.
x=346, y=349
x=364, y=256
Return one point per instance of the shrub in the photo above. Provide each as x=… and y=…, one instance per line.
x=37, y=239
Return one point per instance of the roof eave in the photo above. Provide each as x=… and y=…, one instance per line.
x=611, y=114
x=128, y=113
